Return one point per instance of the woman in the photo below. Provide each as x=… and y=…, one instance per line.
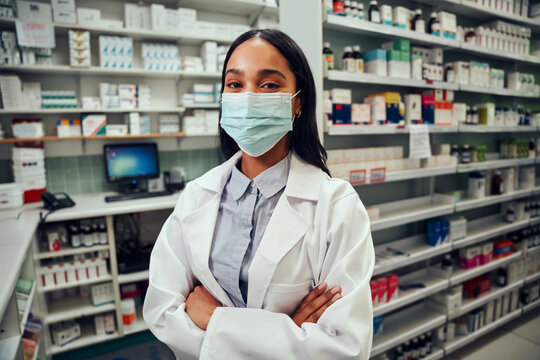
x=265, y=256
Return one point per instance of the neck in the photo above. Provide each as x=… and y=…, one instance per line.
x=253, y=166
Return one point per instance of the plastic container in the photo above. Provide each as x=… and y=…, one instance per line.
x=129, y=316
x=434, y=26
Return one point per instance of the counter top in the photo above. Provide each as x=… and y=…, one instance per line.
x=18, y=226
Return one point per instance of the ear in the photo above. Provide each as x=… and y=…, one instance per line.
x=298, y=103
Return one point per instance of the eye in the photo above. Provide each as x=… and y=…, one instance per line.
x=270, y=86
x=234, y=85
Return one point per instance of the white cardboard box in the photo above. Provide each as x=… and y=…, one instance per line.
x=31, y=10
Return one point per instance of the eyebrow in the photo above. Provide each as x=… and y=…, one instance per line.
x=263, y=72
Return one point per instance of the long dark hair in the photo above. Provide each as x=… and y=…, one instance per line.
x=304, y=139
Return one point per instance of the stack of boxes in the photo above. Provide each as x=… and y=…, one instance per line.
x=58, y=99
x=12, y=94
x=438, y=232
x=522, y=82
x=384, y=289
x=79, y=48
x=6, y=9
x=427, y=64
x=160, y=57
x=64, y=11
x=116, y=52
x=209, y=55
x=398, y=57
x=202, y=123
x=29, y=171
x=169, y=123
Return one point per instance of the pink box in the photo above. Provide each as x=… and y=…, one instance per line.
x=393, y=282
x=487, y=253
x=470, y=257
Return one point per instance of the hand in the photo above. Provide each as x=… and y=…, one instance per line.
x=200, y=306
x=315, y=303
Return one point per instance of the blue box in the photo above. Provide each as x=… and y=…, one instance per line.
x=372, y=55
x=377, y=325
x=341, y=113
x=433, y=235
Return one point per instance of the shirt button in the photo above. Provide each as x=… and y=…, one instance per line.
x=252, y=184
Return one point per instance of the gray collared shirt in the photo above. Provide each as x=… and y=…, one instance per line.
x=244, y=212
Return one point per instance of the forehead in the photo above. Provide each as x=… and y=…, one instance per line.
x=256, y=54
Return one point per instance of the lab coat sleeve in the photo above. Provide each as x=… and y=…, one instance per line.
x=345, y=329
x=170, y=283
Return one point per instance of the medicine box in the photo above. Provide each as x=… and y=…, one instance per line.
x=90, y=17
x=378, y=109
x=469, y=257
x=32, y=10
x=375, y=62
x=413, y=109
x=449, y=301
x=102, y=294
x=341, y=96
x=94, y=124
x=361, y=114
x=341, y=113
x=65, y=332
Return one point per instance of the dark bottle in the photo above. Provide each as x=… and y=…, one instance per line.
x=422, y=347
x=434, y=26
x=418, y=24
x=399, y=353
x=429, y=343
x=496, y=184
x=75, y=235
x=407, y=350
x=502, y=277
x=465, y=154
x=88, y=237
x=374, y=13
x=454, y=151
x=328, y=56
x=415, y=349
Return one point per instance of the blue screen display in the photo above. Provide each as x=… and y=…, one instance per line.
x=124, y=162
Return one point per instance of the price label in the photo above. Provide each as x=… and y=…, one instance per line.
x=377, y=175
x=357, y=177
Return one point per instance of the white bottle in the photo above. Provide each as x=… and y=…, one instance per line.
x=419, y=22
x=354, y=8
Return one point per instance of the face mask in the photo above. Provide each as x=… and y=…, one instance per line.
x=256, y=121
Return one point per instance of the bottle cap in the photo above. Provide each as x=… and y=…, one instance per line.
x=326, y=45
x=348, y=49
x=356, y=47
x=373, y=2
x=433, y=14
x=418, y=11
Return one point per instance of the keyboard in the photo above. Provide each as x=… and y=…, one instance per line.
x=138, y=195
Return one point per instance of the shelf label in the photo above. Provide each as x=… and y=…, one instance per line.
x=357, y=177
x=377, y=175
x=419, y=147
x=35, y=34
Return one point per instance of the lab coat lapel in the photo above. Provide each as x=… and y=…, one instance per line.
x=199, y=227
x=285, y=228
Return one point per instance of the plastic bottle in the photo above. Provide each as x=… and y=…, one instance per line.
x=361, y=14
x=407, y=350
x=399, y=353
x=103, y=234
x=358, y=60
x=497, y=183
x=415, y=349
x=434, y=26
x=339, y=7
x=348, y=9
x=347, y=61
x=95, y=233
x=422, y=346
x=374, y=13
x=418, y=24
x=465, y=154
x=328, y=56
x=354, y=9
x=88, y=238
x=454, y=151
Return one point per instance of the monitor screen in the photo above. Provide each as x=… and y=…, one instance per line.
x=124, y=162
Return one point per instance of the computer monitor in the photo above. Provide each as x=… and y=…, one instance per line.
x=128, y=163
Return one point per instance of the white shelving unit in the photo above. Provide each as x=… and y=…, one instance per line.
x=390, y=129
x=72, y=251
x=532, y=278
x=461, y=341
x=404, y=325
x=87, y=338
x=469, y=304
x=100, y=279
x=365, y=78
x=413, y=174
x=495, y=129
x=433, y=284
x=133, y=277
x=94, y=111
x=529, y=307
x=461, y=275
x=28, y=307
x=406, y=211
x=74, y=307
x=494, y=164
x=468, y=204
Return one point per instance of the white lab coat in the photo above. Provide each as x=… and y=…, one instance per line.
x=319, y=232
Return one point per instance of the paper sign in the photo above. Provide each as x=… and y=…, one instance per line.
x=377, y=175
x=357, y=177
x=35, y=34
x=419, y=147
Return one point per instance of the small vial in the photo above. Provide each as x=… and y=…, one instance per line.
x=434, y=26
x=361, y=14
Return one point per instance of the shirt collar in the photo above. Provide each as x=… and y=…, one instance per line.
x=269, y=182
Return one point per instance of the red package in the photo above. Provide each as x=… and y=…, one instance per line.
x=374, y=285
x=393, y=283
x=475, y=287
x=383, y=290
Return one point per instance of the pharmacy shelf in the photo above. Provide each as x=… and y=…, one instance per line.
x=414, y=250
x=101, y=279
x=468, y=204
x=494, y=164
x=364, y=27
x=133, y=277
x=88, y=337
x=9, y=347
x=500, y=92
x=365, y=78
x=401, y=212
x=413, y=174
x=405, y=325
x=487, y=228
x=469, y=304
x=493, y=129
x=74, y=307
x=28, y=307
x=532, y=278
x=531, y=306
x=390, y=129
x=533, y=250
x=498, y=54
x=437, y=354
x=191, y=39
x=461, y=341
x=233, y=7
x=96, y=70
x=139, y=325
x=202, y=106
x=433, y=284
x=91, y=111
x=99, y=137
x=68, y=252
x=461, y=275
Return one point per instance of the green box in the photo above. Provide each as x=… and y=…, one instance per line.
x=402, y=45
x=405, y=56
x=393, y=55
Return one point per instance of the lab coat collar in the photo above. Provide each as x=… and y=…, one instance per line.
x=304, y=179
